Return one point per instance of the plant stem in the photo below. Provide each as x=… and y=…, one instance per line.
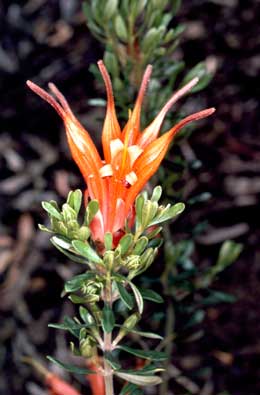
x=108, y=372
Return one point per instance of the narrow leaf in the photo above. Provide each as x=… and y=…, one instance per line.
x=86, y=251
x=108, y=319
x=157, y=193
x=51, y=210
x=151, y=295
x=170, y=213
x=108, y=240
x=149, y=335
x=125, y=296
x=70, y=368
x=86, y=316
x=125, y=242
x=138, y=297
x=76, y=282
x=71, y=256
x=152, y=355
x=139, y=380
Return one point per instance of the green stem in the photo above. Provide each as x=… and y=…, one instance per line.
x=108, y=372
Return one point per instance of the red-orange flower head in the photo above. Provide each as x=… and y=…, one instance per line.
x=131, y=157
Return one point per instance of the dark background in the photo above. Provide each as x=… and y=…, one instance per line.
x=49, y=41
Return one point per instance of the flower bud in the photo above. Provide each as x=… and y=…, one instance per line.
x=87, y=347
x=128, y=325
x=132, y=262
x=108, y=260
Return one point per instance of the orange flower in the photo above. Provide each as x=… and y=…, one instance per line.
x=58, y=386
x=131, y=157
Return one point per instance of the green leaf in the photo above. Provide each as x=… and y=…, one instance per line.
x=157, y=193
x=139, y=203
x=200, y=71
x=69, y=367
x=216, y=297
x=126, y=242
x=91, y=211
x=77, y=200
x=149, y=211
x=69, y=325
x=86, y=251
x=139, y=380
x=51, y=210
x=151, y=39
x=76, y=282
x=68, y=213
x=61, y=242
x=120, y=28
x=196, y=318
x=148, y=369
x=110, y=9
x=138, y=297
x=68, y=254
x=152, y=355
x=125, y=296
x=149, y=335
x=168, y=213
x=44, y=229
x=77, y=299
x=228, y=253
x=151, y=295
x=108, y=240
x=111, y=63
x=108, y=319
x=86, y=316
x=140, y=245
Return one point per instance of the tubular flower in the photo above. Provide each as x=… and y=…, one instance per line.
x=131, y=156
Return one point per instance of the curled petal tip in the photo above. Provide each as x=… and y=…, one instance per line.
x=211, y=110
x=51, y=85
x=31, y=85
x=47, y=97
x=149, y=69
x=195, y=79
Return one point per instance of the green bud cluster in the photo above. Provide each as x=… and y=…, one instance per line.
x=111, y=270
x=65, y=221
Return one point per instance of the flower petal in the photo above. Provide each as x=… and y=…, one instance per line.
x=132, y=128
x=119, y=219
x=111, y=128
x=82, y=148
x=106, y=171
x=149, y=161
x=131, y=178
x=134, y=152
x=97, y=227
x=47, y=97
x=151, y=132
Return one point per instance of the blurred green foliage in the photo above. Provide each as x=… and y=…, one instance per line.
x=135, y=33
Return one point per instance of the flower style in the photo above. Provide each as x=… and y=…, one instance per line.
x=131, y=157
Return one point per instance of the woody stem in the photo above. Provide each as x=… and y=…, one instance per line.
x=108, y=372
